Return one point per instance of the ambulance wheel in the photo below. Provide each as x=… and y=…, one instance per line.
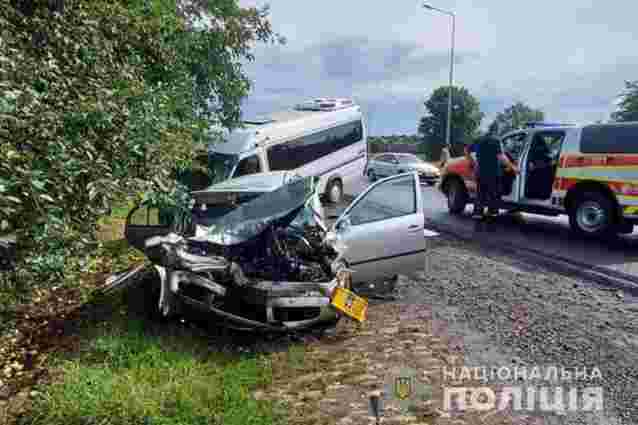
x=592, y=215
x=456, y=196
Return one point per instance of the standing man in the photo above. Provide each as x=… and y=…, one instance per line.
x=488, y=160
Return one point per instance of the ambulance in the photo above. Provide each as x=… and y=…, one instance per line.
x=588, y=172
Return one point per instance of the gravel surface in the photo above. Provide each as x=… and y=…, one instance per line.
x=510, y=313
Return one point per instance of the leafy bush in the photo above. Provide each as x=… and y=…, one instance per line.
x=106, y=100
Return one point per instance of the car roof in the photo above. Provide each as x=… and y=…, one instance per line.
x=259, y=182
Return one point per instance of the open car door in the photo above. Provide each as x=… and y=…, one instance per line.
x=144, y=222
x=381, y=233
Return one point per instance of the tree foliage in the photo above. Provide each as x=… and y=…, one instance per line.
x=466, y=119
x=378, y=143
x=628, y=107
x=104, y=99
x=513, y=117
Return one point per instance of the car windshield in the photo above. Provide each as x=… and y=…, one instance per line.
x=221, y=165
x=250, y=218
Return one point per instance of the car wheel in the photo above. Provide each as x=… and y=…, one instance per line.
x=372, y=176
x=335, y=192
x=592, y=215
x=456, y=196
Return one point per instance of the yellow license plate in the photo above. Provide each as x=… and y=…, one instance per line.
x=350, y=304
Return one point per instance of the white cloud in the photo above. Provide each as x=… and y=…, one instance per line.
x=569, y=58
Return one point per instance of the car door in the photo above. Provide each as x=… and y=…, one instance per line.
x=544, y=152
x=514, y=145
x=381, y=233
x=144, y=222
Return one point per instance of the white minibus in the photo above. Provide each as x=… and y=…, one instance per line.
x=326, y=138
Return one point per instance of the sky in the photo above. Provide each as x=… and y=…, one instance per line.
x=569, y=58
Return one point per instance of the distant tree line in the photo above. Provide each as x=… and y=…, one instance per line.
x=467, y=118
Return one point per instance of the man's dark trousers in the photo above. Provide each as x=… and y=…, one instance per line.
x=488, y=194
x=487, y=176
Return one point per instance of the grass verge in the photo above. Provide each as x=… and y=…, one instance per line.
x=133, y=372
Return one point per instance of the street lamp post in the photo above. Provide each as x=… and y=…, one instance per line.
x=449, y=103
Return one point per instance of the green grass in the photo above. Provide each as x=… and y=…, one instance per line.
x=130, y=374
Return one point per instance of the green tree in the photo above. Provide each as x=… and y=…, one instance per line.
x=105, y=99
x=628, y=107
x=466, y=119
x=513, y=117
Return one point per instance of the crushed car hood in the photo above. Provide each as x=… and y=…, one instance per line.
x=249, y=219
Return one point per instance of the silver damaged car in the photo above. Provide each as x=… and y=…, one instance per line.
x=256, y=253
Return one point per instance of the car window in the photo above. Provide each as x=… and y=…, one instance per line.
x=514, y=145
x=303, y=150
x=619, y=138
x=393, y=198
x=249, y=165
x=551, y=142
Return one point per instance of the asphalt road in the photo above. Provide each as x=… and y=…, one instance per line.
x=546, y=235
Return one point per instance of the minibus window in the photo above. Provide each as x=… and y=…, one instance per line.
x=249, y=165
x=221, y=165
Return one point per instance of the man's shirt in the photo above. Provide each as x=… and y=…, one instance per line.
x=487, y=154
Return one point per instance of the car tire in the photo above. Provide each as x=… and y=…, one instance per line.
x=372, y=176
x=334, y=193
x=456, y=196
x=592, y=215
